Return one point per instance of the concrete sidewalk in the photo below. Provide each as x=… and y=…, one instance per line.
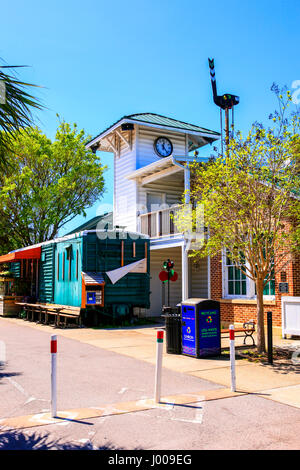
x=279, y=382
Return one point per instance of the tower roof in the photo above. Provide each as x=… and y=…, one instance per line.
x=159, y=121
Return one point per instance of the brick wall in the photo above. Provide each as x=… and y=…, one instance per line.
x=239, y=311
x=216, y=277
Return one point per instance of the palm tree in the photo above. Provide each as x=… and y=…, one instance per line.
x=16, y=105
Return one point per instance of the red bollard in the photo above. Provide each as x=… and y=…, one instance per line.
x=53, y=350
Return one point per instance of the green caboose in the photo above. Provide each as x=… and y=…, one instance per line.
x=103, y=271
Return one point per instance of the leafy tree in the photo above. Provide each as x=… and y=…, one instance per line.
x=16, y=105
x=251, y=201
x=47, y=183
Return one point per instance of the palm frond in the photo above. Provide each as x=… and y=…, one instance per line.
x=16, y=106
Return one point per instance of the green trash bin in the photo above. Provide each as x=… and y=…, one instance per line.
x=173, y=330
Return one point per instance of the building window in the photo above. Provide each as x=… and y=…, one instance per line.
x=236, y=280
x=237, y=284
x=269, y=288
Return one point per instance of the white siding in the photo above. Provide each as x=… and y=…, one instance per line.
x=128, y=194
x=157, y=257
x=146, y=138
x=198, y=282
x=125, y=191
x=198, y=285
x=173, y=187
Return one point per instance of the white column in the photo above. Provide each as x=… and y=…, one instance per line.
x=187, y=184
x=184, y=273
x=187, y=172
x=158, y=368
x=232, y=358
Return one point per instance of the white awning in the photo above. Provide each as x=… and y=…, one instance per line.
x=93, y=278
x=155, y=170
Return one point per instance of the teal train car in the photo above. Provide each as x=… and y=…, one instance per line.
x=105, y=272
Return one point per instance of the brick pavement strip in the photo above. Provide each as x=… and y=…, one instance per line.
x=77, y=415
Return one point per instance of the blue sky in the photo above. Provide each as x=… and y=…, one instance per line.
x=100, y=60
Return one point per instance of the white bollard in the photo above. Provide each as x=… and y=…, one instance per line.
x=53, y=375
x=232, y=358
x=159, y=352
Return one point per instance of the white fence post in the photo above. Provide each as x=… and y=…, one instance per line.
x=159, y=352
x=232, y=358
x=53, y=375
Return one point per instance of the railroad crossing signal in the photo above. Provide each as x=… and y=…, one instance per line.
x=225, y=102
x=170, y=274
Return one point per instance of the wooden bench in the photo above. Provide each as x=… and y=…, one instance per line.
x=49, y=310
x=31, y=310
x=71, y=313
x=61, y=311
x=43, y=311
x=248, y=329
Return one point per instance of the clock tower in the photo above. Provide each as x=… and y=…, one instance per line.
x=140, y=140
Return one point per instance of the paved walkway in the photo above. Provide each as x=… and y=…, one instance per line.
x=279, y=382
x=105, y=395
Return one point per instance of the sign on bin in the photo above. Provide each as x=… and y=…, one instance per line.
x=189, y=339
x=209, y=332
x=201, y=333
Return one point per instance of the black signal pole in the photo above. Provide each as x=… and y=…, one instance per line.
x=168, y=265
x=225, y=102
x=270, y=337
x=227, y=128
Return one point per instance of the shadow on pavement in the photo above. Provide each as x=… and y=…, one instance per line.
x=4, y=374
x=283, y=367
x=18, y=440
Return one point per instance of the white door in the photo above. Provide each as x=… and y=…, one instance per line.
x=290, y=315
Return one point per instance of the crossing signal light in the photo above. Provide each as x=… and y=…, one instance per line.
x=168, y=265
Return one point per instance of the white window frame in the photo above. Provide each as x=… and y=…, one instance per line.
x=250, y=285
x=249, y=290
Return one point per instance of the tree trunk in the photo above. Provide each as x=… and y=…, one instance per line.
x=261, y=346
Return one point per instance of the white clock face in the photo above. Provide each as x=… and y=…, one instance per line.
x=163, y=147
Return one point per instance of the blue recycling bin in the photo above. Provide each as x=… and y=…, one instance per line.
x=201, y=328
